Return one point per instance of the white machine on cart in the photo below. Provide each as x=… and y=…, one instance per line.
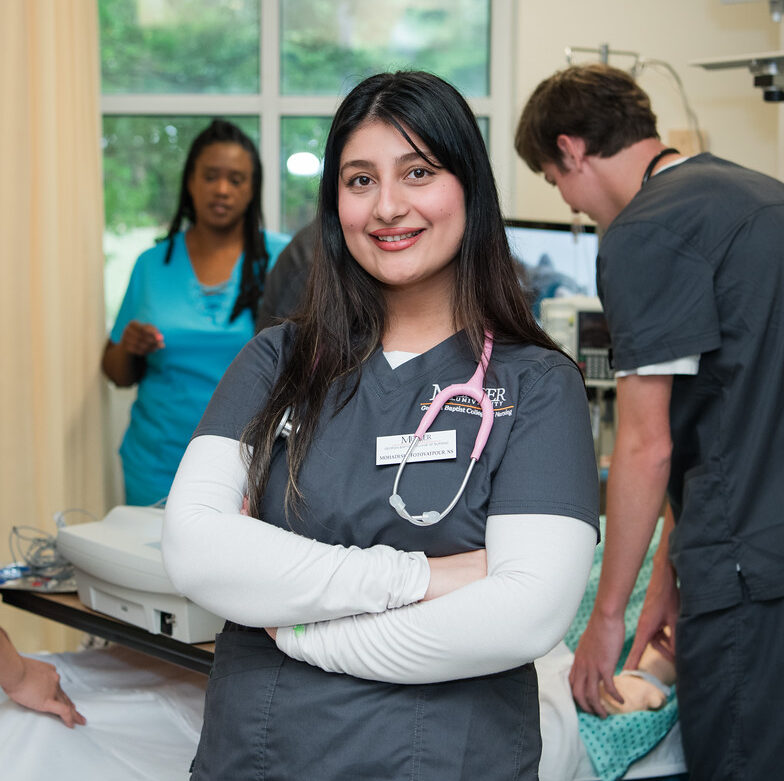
x=578, y=324
x=119, y=572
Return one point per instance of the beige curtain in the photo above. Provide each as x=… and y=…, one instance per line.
x=51, y=283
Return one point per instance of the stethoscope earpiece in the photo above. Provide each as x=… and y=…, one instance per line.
x=428, y=518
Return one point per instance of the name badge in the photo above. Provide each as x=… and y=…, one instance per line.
x=434, y=446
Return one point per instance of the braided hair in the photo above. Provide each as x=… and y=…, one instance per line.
x=254, y=265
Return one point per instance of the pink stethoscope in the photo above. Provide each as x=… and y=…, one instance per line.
x=474, y=389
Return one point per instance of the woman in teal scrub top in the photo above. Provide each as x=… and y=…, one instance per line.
x=190, y=306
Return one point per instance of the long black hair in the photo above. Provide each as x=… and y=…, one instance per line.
x=254, y=265
x=343, y=317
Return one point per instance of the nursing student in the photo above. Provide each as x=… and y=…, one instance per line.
x=691, y=277
x=190, y=306
x=364, y=640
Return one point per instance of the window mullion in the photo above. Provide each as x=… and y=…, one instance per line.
x=270, y=112
x=180, y=104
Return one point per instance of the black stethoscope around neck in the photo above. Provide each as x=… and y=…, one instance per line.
x=670, y=150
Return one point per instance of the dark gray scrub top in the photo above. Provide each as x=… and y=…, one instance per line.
x=695, y=265
x=285, y=283
x=539, y=459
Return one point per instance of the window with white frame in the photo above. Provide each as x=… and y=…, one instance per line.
x=277, y=68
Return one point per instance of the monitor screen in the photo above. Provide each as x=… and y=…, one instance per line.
x=558, y=261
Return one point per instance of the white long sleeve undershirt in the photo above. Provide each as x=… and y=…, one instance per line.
x=257, y=574
x=537, y=566
x=260, y=575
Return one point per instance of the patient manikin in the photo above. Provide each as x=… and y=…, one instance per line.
x=645, y=688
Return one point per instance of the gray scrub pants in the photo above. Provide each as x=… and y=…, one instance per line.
x=731, y=692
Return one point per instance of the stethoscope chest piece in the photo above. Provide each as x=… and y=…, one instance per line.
x=286, y=426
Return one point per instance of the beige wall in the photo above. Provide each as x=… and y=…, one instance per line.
x=738, y=123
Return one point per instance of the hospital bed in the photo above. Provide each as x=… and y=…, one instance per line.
x=143, y=721
x=582, y=747
x=564, y=755
x=144, y=717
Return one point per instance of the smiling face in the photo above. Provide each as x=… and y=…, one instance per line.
x=403, y=218
x=221, y=185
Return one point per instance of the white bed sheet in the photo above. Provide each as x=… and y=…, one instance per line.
x=144, y=717
x=564, y=757
x=143, y=721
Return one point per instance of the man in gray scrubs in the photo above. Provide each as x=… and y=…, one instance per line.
x=285, y=283
x=691, y=276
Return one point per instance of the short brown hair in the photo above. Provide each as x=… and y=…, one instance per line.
x=602, y=105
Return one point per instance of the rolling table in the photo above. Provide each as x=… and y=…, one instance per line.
x=67, y=609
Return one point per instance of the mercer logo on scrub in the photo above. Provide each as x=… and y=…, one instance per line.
x=496, y=395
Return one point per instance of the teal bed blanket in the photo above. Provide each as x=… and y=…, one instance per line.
x=620, y=739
